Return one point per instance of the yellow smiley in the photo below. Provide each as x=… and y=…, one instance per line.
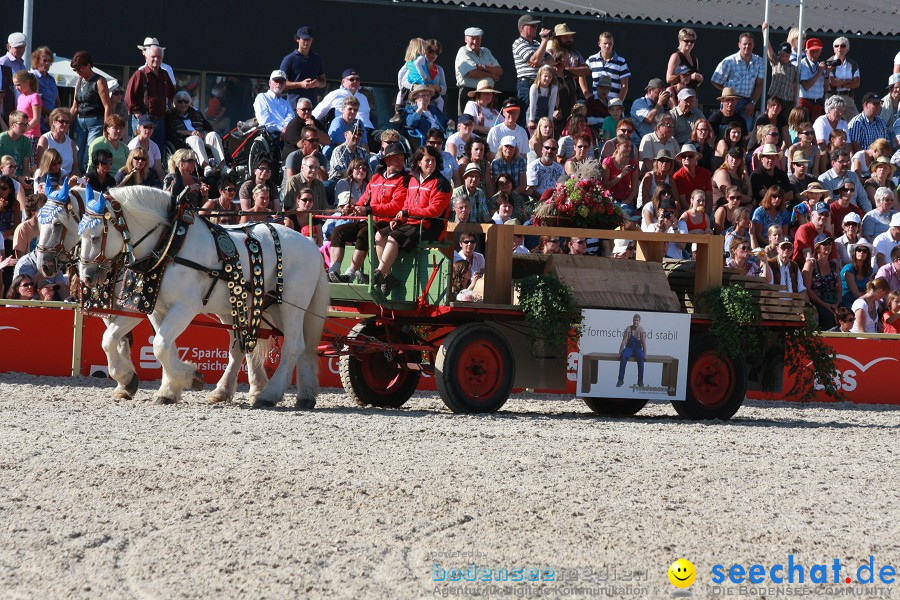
x=682, y=573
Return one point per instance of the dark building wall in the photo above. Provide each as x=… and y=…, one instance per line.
x=251, y=37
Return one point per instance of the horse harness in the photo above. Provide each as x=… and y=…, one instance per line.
x=143, y=278
x=59, y=251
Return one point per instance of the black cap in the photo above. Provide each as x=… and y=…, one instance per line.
x=871, y=97
x=511, y=102
x=736, y=152
x=785, y=47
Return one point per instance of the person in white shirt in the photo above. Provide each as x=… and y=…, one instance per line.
x=666, y=223
x=350, y=86
x=886, y=241
x=511, y=110
x=271, y=110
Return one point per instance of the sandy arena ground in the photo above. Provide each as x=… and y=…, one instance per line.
x=101, y=499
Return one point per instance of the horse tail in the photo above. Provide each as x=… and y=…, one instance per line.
x=257, y=358
x=313, y=324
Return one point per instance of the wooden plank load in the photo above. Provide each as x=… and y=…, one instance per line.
x=600, y=282
x=775, y=304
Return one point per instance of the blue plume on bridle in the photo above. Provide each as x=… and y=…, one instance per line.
x=60, y=196
x=94, y=210
x=56, y=202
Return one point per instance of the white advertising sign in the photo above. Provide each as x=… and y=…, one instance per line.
x=633, y=354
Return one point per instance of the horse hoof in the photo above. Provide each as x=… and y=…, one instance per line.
x=305, y=403
x=197, y=381
x=164, y=400
x=260, y=403
x=218, y=397
x=132, y=385
x=122, y=394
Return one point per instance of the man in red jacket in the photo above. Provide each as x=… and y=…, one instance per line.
x=424, y=215
x=150, y=92
x=385, y=195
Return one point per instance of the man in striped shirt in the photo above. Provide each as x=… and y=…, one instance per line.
x=867, y=126
x=529, y=54
x=607, y=62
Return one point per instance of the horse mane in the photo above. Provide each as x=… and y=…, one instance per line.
x=143, y=206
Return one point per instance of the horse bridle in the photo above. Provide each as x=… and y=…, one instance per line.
x=116, y=216
x=59, y=253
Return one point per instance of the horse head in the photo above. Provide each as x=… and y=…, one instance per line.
x=58, y=227
x=93, y=229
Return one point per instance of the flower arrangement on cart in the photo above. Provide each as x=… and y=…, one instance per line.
x=581, y=202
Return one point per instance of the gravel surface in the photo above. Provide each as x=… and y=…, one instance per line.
x=104, y=499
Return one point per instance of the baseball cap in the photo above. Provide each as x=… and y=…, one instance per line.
x=16, y=39
x=508, y=140
x=304, y=33
x=822, y=238
x=686, y=93
x=621, y=246
x=615, y=102
x=146, y=120
x=655, y=83
x=349, y=72
x=343, y=199
x=821, y=208
x=465, y=118
x=785, y=48
x=893, y=80
x=528, y=20
x=473, y=31
x=813, y=44
x=783, y=242
x=278, y=74
x=852, y=217
x=682, y=70
x=895, y=220
x=871, y=97
x=47, y=283
x=512, y=102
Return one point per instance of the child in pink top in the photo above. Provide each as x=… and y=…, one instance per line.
x=29, y=102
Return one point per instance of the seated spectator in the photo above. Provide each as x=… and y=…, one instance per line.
x=460, y=277
x=663, y=168
x=22, y=288
x=839, y=173
x=28, y=265
x=421, y=114
x=663, y=194
x=183, y=176
x=800, y=177
x=775, y=235
x=740, y=229
x=686, y=115
x=576, y=126
x=611, y=122
x=186, y=126
x=388, y=138
x=344, y=207
x=476, y=153
x=58, y=139
x=354, y=181
x=549, y=244
x=481, y=107
x=882, y=177
x=504, y=210
x=837, y=140
x=732, y=172
x=577, y=246
x=783, y=271
x=822, y=280
x=809, y=198
x=347, y=120
x=583, y=153
x=223, y=210
x=385, y=195
x=721, y=119
x=886, y=241
x=456, y=143
x=543, y=173
x=518, y=240
x=691, y=176
x=435, y=137
x=768, y=134
x=260, y=211
x=480, y=208
x=510, y=162
x=739, y=258
x=832, y=119
x=703, y=140
x=99, y=175
x=309, y=146
x=623, y=249
x=695, y=219
x=805, y=145
x=842, y=206
x=732, y=138
x=294, y=134
x=48, y=291
x=111, y=141
x=262, y=175
x=666, y=223
x=543, y=132
x=851, y=228
x=304, y=217
x=144, y=139
x=427, y=204
x=346, y=152
x=767, y=175
x=771, y=211
x=467, y=253
x=867, y=306
x=878, y=220
x=856, y=274
x=861, y=162
x=272, y=111
x=891, y=316
x=724, y=216
x=890, y=272
x=26, y=233
x=845, y=320
x=49, y=168
x=137, y=171
x=504, y=185
x=658, y=139
x=597, y=104
x=511, y=110
x=620, y=173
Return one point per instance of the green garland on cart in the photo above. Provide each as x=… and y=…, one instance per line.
x=550, y=312
x=736, y=329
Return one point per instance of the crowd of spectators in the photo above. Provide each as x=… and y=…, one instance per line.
x=802, y=183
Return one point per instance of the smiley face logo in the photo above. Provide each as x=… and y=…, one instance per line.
x=682, y=573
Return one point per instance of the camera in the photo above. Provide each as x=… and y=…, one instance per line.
x=832, y=63
x=668, y=214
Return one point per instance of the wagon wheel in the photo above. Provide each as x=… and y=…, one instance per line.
x=259, y=149
x=615, y=407
x=370, y=379
x=474, y=370
x=716, y=383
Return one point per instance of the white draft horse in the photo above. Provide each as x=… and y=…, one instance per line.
x=58, y=223
x=300, y=317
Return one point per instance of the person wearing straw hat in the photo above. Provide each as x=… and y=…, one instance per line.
x=481, y=107
x=474, y=63
x=809, y=198
x=150, y=42
x=421, y=113
x=800, y=177
x=767, y=174
x=720, y=120
x=572, y=61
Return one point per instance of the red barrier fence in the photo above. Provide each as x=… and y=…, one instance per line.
x=40, y=341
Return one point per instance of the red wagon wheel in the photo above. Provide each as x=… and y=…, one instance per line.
x=474, y=369
x=373, y=379
x=716, y=383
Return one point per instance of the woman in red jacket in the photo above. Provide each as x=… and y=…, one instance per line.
x=427, y=205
